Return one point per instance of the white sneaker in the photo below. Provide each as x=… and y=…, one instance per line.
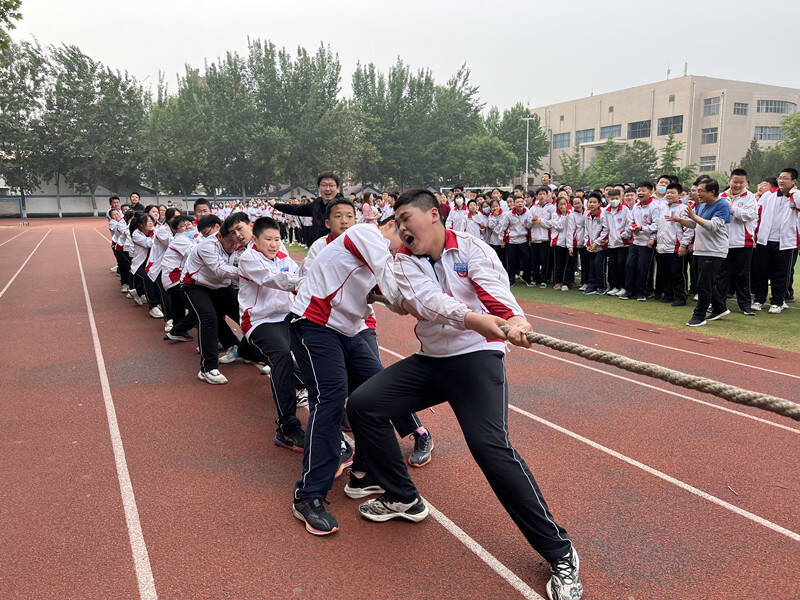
x=775, y=309
x=125, y=289
x=137, y=298
x=756, y=305
x=564, y=288
x=621, y=292
x=113, y=269
x=265, y=370
x=213, y=376
x=695, y=298
x=565, y=584
x=231, y=356
x=156, y=313
x=582, y=288
x=144, y=298
x=168, y=326
x=613, y=292
x=784, y=305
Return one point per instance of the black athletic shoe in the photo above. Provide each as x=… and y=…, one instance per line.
x=696, y=322
x=345, y=459
x=748, y=312
x=363, y=487
x=715, y=316
x=678, y=303
x=318, y=520
x=385, y=508
x=423, y=446
x=293, y=440
x=176, y=336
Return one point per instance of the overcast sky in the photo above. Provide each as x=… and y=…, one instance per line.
x=534, y=52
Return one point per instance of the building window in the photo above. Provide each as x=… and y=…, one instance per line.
x=610, y=131
x=764, y=134
x=670, y=125
x=776, y=106
x=707, y=163
x=610, y=109
x=639, y=129
x=561, y=140
x=561, y=118
x=711, y=106
x=584, y=135
x=672, y=97
x=739, y=108
x=709, y=136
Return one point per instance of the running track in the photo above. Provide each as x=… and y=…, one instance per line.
x=135, y=480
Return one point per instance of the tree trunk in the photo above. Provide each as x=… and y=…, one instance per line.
x=244, y=198
x=23, y=211
x=58, y=193
x=94, y=202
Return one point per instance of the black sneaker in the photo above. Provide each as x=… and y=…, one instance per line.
x=678, y=303
x=748, y=312
x=318, y=520
x=696, y=322
x=345, y=459
x=565, y=583
x=292, y=440
x=385, y=508
x=363, y=487
x=715, y=316
x=423, y=446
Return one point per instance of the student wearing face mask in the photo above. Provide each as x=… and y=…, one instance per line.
x=619, y=238
x=482, y=218
x=472, y=222
x=457, y=218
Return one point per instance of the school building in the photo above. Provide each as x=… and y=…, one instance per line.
x=716, y=119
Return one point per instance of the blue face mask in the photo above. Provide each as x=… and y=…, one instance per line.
x=661, y=189
x=189, y=234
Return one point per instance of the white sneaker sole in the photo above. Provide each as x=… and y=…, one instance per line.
x=397, y=515
x=201, y=376
x=357, y=493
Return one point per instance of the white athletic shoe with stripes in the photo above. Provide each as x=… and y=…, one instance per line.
x=213, y=377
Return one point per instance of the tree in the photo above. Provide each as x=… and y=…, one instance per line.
x=790, y=146
x=512, y=131
x=605, y=168
x=760, y=163
x=638, y=163
x=9, y=12
x=572, y=172
x=669, y=161
x=485, y=160
x=22, y=82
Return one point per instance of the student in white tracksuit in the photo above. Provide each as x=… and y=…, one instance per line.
x=457, y=286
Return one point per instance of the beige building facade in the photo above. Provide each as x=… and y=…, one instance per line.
x=716, y=119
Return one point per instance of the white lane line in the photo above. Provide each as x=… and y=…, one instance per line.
x=462, y=536
x=22, y=266
x=102, y=236
x=141, y=559
x=677, y=482
x=666, y=391
x=10, y=239
x=638, y=341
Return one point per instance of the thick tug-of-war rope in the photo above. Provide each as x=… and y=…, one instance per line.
x=693, y=382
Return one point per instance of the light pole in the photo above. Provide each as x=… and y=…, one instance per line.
x=527, y=138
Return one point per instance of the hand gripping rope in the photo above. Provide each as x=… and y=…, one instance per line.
x=693, y=382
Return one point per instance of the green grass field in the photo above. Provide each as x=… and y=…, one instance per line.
x=777, y=331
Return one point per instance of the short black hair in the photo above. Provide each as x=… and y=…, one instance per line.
x=199, y=202
x=132, y=193
x=110, y=200
x=543, y=174
x=596, y=195
x=171, y=212
x=177, y=220
x=392, y=195
x=614, y=192
x=150, y=207
x=472, y=201
x=675, y=186
x=670, y=178
x=263, y=223
x=124, y=205
x=772, y=181
x=711, y=185
x=741, y=172
x=337, y=202
x=519, y=187
x=209, y=221
x=328, y=175
x=138, y=220
x=543, y=188
x=234, y=218
x=701, y=179
x=790, y=171
x=458, y=186
x=419, y=197
x=628, y=190
x=645, y=184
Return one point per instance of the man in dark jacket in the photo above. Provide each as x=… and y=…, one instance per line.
x=328, y=185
